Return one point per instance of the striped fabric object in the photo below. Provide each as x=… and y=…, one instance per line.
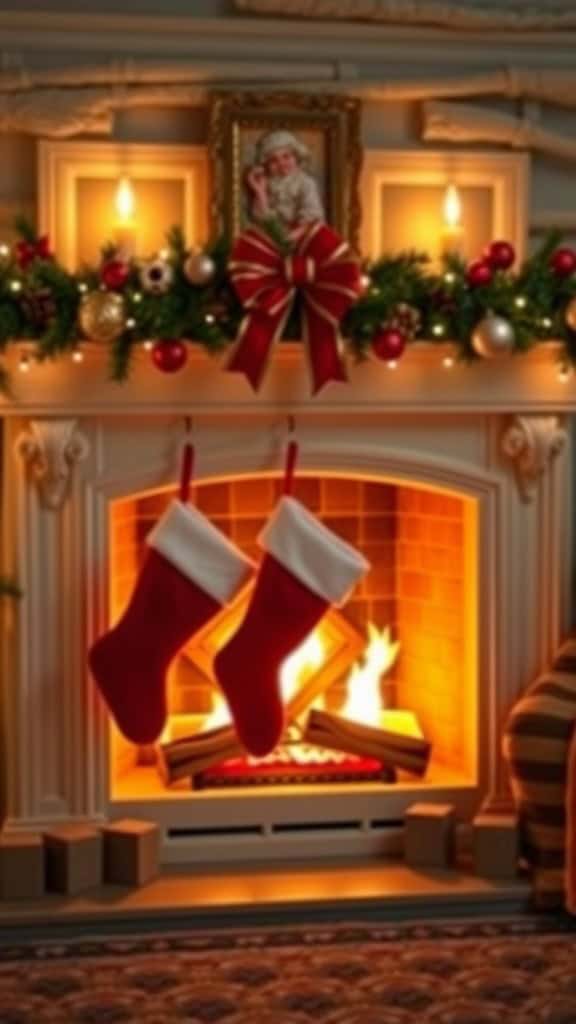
x=538, y=744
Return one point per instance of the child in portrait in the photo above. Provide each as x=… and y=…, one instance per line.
x=279, y=185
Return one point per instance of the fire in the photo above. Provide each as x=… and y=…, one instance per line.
x=364, y=699
x=305, y=660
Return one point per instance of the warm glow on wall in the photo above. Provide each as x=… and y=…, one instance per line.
x=129, y=195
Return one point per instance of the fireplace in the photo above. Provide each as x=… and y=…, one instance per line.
x=393, y=656
x=455, y=493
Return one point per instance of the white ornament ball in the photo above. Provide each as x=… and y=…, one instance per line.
x=493, y=337
x=199, y=268
x=156, y=276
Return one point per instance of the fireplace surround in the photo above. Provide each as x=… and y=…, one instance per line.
x=479, y=452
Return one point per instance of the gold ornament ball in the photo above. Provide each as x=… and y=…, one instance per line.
x=199, y=268
x=493, y=337
x=102, y=316
x=570, y=314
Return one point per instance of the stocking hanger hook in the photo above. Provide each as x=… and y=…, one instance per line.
x=187, y=465
x=291, y=456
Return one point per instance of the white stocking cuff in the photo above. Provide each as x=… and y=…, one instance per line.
x=189, y=541
x=326, y=564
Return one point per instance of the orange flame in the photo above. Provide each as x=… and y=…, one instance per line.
x=364, y=698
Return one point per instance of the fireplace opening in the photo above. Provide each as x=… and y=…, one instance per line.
x=382, y=693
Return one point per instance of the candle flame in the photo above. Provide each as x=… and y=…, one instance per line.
x=124, y=201
x=452, y=207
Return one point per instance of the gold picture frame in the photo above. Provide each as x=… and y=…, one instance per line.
x=327, y=132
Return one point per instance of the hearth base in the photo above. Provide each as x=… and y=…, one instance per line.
x=350, y=890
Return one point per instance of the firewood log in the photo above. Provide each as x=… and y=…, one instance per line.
x=194, y=754
x=395, y=750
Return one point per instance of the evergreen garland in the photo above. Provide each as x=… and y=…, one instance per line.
x=40, y=300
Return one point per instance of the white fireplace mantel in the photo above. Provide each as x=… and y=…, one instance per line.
x=494, y=432
x=420, y=383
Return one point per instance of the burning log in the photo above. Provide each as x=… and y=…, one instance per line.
x=192, y=755
x=395, y=750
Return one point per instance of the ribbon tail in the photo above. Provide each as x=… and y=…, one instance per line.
x=323, y=347
x=252, y=351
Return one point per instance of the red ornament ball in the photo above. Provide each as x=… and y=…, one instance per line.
x=114, y=274
x=563, y=262
x=499, y=255
x=389, y=343
x=169, y=355
x=479, y=273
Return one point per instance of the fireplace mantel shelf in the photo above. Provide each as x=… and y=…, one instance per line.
x=420, y=383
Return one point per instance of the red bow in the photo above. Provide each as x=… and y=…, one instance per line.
x=326, y=276
x=27, y=252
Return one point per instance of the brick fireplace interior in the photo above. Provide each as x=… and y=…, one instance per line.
x=422, y=587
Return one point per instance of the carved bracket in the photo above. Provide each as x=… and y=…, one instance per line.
x=51, y=448
x=532, y=442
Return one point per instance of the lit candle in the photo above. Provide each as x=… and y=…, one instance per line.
x=125, y=227
x=452, y=232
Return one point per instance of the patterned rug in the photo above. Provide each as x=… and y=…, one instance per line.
x=518, y=972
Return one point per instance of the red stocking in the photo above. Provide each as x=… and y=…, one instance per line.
x=191, y=570
x=306, y=569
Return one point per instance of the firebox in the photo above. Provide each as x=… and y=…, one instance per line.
x=398, y=659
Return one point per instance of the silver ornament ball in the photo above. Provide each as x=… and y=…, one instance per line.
x=199, y=268
x=570, y=314
x=493, y=337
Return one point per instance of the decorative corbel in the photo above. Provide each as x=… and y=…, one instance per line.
x=532, y=442
x=51, y=448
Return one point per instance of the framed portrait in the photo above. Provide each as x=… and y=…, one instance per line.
x=289, y=157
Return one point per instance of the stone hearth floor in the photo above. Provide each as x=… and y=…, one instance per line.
x=258, y=894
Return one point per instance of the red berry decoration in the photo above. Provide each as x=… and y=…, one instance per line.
x=479, y=273
x=389, y=343
x=499, y=255
x=169, y=355
x=563, y=262
x=26, y=252
x=114, y=274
